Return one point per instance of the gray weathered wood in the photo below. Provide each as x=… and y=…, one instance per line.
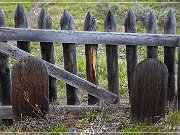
x=2, y=18
x=62, y=75
x=169, y=54
x=20, y=20
x=69, y=53
x=5, y=81
x=91, y=56
x=87, y=37
x=178, y=77
x=73, y=108
x=151, y=27
x=6, y=111
x=131, y=51
x=30, y=84
x=112, y=57
x=47, y=51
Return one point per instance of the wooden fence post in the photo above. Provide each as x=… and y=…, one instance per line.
x=149, y=88
x=131, y=51
x=47, y=51
x=5, y=81
x=151, y=27
x=112, y=57
x=69, y=53
x=91, y=57
x=169, y=54
x=20, y=19
x=178, y=77
x=30, y=88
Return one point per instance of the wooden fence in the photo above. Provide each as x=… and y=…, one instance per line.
x=91, y=39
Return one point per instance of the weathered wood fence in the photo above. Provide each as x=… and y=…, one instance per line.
x=91, y=39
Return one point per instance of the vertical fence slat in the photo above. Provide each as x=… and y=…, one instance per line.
x=178, y=77
x=149, y=88
x=112, y=57
x=47, y=51
x=30, y=88
x=5, y=82
x=69, y=53
x=131, y=51
x=20, y=19
x=91, y=57
x=151, y=27
x=169, y=54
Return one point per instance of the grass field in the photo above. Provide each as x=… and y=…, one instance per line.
x=99, y=9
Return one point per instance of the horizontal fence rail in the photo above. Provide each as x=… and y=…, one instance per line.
x=86, y=37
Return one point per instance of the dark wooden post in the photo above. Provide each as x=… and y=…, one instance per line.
x=30, y=88
x=47, y=51
x=131, y=51
x=151, y=27
x=91, y=57
x=149, y=88
x=178, y=77
x=112, y=57
x=69, y=52
x=21, y=22
x=169, y=54
x=5, y=81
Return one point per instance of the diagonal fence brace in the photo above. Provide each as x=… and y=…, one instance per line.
x=62, y=75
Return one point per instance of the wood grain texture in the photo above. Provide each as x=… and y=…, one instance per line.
x=62, y=75
x=6, y=111
x=131, y=51
x=169, y=54
x=5, y=81
x=30, y=88
x=69, y=53
x=88, y=37
x=91, y=56
x=112, y=57
x=151, y=27
x=149, y=90
x=178, y=77
x=20, y=20
x=47, y=51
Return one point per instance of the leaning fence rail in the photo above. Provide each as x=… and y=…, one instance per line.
x=61, y=74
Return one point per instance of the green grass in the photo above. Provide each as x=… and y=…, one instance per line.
x=9, y=9
x=91, y=114
x=138, y=129
x=174, y=119
x=58, y=129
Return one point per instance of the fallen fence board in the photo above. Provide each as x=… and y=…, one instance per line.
x=61, y=74
x=73, y=108
x=86, y=37
x=6, y=111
